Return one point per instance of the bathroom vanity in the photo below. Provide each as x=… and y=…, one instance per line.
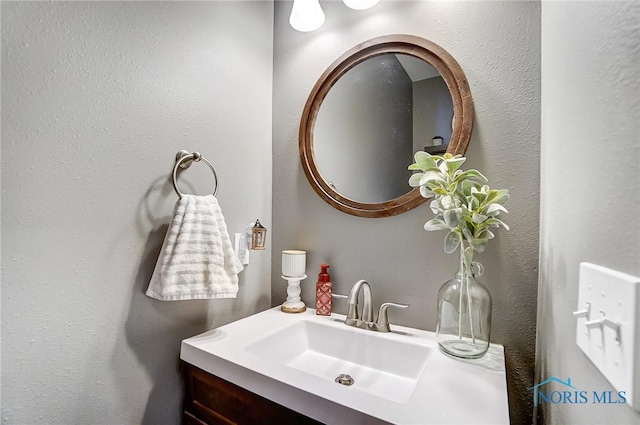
x=274, y=367
x=212, y=400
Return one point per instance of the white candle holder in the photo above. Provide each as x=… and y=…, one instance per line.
x=293, y=271
x=293, y=303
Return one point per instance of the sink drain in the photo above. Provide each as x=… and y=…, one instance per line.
x=344, y=379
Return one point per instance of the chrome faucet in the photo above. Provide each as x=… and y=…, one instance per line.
x=365, y=320
x=352, y=300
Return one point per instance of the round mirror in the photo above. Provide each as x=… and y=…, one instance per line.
x=370, y=111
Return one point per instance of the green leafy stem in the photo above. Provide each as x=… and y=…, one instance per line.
x=462, y=202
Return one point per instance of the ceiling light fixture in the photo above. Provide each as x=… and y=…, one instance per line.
x=360, y=4
x=306, y=15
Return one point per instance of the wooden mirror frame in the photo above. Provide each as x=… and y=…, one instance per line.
x=420, y=48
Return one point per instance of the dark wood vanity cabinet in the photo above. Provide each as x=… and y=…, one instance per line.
x=212, y=400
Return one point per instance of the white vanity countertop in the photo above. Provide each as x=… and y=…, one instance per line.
x=449, y=391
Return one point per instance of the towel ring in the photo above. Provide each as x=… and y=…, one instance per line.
x=184, y=160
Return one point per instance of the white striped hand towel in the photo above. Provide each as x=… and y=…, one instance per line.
x=197, y=259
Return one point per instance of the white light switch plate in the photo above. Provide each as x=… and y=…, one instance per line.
x=617, y=296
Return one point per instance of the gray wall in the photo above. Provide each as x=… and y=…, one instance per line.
x=97, y=98
x=590, y=181
x=498, y=46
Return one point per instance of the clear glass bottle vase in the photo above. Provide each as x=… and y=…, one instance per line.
x=464, y=313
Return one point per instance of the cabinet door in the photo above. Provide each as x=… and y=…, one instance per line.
x=212, y=400
x=189, y=419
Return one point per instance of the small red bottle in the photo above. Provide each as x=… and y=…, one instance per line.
x=323, y=292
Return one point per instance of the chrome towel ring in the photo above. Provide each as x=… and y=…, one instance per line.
x=184, y=160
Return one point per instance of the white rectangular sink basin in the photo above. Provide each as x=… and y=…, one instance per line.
x=400, y=377
x=378, y=367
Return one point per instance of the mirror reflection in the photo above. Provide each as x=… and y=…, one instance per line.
x=372, y=121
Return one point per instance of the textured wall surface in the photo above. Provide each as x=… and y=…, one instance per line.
x=497, y=44
x=590, y=182
x=97, y=98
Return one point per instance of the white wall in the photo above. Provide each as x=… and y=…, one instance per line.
x=498, y=46
x=590, y=185
x=97, y=98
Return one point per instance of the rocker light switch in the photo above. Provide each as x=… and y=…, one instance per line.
x=607, y=326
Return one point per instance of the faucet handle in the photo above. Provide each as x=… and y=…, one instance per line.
x=334, y=295
x=383, y=316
